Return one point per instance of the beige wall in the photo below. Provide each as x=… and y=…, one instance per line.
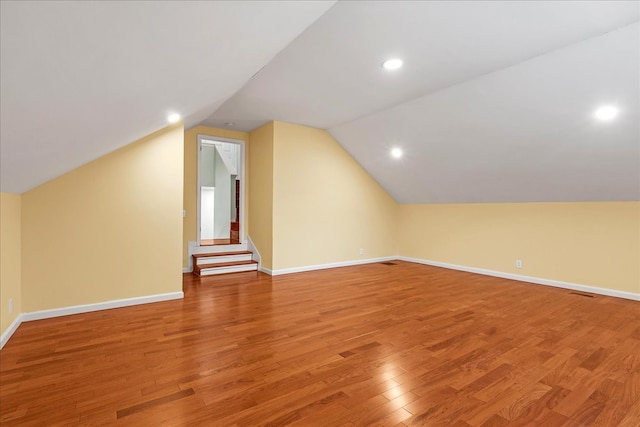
x=594, y=244
x=325, y=205
x=191, y=180
x=111, y=229
x=260, y=166
x=10, y=258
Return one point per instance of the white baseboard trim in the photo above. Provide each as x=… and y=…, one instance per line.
x=187, y=270
x=256, y=253
x=265, y=270
x=325, y=266
x=87, y=308
x=10, y=330
x=529, y=279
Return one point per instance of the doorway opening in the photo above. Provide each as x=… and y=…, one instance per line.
x=220, y=192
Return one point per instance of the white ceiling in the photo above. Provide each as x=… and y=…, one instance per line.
x=331, y=73
x=81, y=79
x=522, y=134
x=494, y=102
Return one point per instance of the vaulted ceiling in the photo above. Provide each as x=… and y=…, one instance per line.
x=81, y=79
x=494, y=103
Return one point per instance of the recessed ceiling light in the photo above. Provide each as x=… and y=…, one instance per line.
x=392, y=64
x=396, y=152
x=173, y=118
x=230, y=124
x=606, y=113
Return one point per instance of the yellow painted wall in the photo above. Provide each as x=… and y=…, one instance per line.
x=594, y=244
x=111, y=229
x=325, y=205
x=191, y=180
x=10, y=258
x=260, y=167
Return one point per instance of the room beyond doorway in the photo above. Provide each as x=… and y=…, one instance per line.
x=211, y=242
x=220, y=191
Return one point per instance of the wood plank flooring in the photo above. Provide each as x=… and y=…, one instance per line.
x=371, y=345
x=214, y=242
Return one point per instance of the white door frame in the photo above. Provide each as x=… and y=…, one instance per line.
x=241, y=174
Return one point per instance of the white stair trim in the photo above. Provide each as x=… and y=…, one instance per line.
x=193, y=248
x=256, y=253
x=228, y=269
x=217, y=259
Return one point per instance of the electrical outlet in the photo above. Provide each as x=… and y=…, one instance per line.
x=518, y=263
x=361, y=251
x=10, y=305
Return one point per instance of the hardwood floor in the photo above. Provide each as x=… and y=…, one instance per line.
x=212, y=242
x=371, y=345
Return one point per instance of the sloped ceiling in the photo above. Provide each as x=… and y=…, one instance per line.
x=525, y=133
x=81, y=79
x=494, y=103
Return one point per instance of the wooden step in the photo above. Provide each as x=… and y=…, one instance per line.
x=221, y=254
x=221, y=257
x=224, y=267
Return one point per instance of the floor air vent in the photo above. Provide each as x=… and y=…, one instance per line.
x=388, y=263
x=581, y=294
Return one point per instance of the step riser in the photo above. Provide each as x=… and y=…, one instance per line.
x=225, y=270
x=193, y=250
x=228, y=258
